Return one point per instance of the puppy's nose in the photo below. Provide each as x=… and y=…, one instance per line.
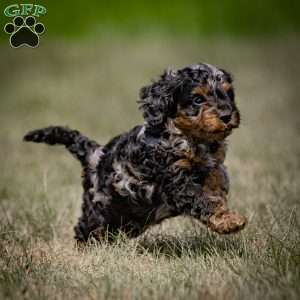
x=226, y=117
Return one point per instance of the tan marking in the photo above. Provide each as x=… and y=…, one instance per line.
x=183, y=164
x=206, y=122
x=216, y=184
x=225, y=222
x=222, y=221
x=201, y=90
x=172, y=129
x=190, y=159
x=214, y=181
x=226, y=86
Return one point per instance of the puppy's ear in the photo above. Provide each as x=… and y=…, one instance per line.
x=157, y=101
x=228, y=75
x=230, y=90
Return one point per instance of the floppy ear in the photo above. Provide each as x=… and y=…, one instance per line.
x=230, y=88
x=157, y=101
x=228, y=75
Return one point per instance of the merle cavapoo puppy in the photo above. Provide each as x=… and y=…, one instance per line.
x=171, y=165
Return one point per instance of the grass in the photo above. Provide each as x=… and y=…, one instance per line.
x=93, y=87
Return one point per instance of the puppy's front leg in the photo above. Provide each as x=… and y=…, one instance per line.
x=225, y=221
x=214, y=213
x=220, y=219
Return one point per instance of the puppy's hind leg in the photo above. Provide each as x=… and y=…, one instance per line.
x=91, y=222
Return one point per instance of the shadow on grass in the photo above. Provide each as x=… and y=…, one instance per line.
x=204, y=244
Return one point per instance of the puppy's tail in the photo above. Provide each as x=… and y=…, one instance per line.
x=79, y=145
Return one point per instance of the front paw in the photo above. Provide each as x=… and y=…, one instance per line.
x=227, y=222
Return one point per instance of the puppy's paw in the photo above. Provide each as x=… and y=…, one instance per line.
x=227, y=222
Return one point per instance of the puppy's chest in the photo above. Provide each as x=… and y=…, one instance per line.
x=193, y=155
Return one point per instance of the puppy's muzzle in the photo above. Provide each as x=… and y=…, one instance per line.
x=226, y=118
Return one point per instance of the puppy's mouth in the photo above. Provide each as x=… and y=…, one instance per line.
x=208, y=124
x=231, y=120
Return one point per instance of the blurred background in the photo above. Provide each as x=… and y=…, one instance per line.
x=94, y=56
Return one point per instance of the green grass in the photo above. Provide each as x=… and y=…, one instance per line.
x=93, y=87
x=191, y=17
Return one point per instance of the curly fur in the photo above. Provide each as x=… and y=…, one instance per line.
x=171, y=165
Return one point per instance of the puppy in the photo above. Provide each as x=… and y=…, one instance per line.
x=171, y=165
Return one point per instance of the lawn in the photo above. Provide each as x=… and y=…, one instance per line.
x=93, y=86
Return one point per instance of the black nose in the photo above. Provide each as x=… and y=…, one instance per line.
x=226, y=118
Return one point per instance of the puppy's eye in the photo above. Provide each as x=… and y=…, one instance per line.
x=198, y=100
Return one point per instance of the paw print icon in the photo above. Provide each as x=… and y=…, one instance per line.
x=24, y=32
